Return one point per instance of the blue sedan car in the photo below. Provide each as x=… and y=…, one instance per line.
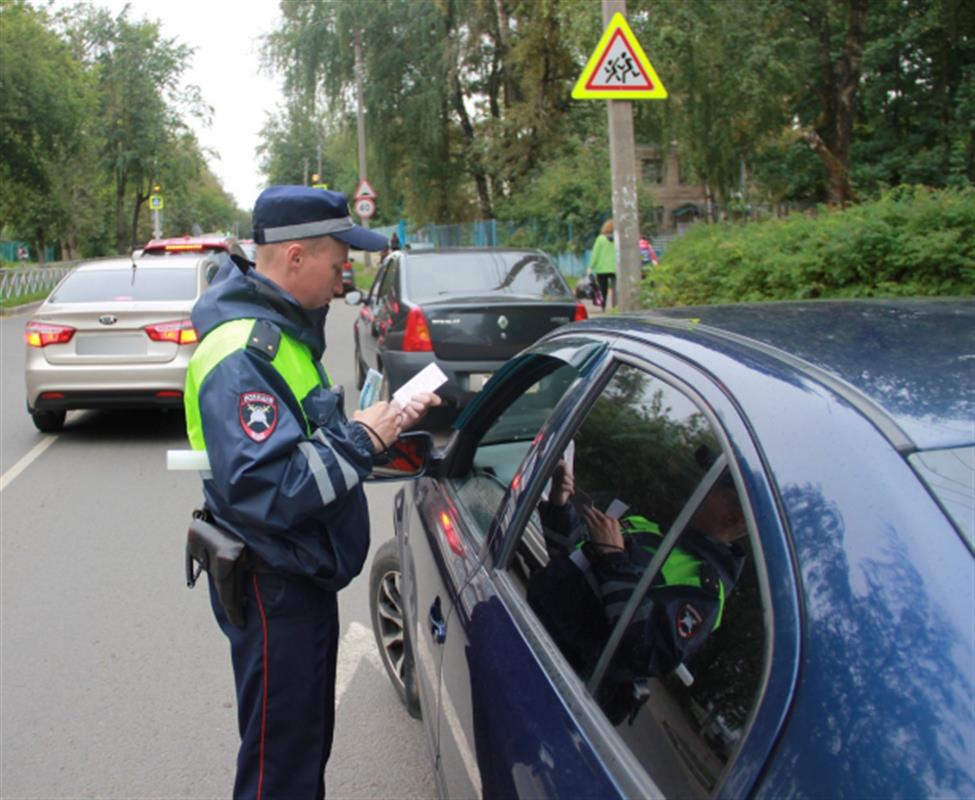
x=810, y=636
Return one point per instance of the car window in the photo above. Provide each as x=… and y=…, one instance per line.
x=662, y=620
x=388, y=288
x=502, y=448
x=950, y=475
x=436, y=276
x=109, y=285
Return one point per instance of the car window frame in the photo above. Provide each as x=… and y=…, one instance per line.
x=773, y=697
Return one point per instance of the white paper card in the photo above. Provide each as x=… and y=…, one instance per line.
x=616, y=509
x=428, y=379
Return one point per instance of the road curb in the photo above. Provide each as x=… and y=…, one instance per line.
x=13, y=311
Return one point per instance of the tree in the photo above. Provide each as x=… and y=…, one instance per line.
x=46, y=102
x=138, y=75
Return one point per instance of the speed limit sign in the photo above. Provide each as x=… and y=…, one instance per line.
x=365, y=207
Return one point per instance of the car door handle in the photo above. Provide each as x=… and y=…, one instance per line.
x=438, y=628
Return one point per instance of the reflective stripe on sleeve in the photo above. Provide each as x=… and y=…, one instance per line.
x=318, y=471
x=348, y=471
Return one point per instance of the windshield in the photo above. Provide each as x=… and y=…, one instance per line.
x=116, y=285
x=436, y=276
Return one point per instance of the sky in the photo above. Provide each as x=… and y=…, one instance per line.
x=225, y=35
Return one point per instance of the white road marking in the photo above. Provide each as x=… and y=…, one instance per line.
x=357, y=644
x=25, y=462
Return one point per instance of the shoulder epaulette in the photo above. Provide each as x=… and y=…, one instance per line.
x=265, y=338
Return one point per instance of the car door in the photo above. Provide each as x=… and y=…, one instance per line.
x=518, y=717
x=488, y=457
x=371, y=314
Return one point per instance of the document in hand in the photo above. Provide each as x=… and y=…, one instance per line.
x=428, y=379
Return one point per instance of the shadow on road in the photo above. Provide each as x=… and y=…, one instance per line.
x=148, y=425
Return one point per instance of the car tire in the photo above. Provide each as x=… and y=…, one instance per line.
x=48, y=421
x=389, y=625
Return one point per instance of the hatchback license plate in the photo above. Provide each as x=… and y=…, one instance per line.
x=119, y=344
x=477, y=380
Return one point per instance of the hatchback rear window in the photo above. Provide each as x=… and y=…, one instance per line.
x=438, y=276
x=92, y=286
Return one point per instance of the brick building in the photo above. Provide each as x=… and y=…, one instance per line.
x=679, y=202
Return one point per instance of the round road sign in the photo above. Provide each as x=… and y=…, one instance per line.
x=365, y=207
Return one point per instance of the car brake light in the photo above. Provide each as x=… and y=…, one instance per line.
x=181, y=332
x=176, y=248
x=581, y=313
x=417, y=338
x=41, y=334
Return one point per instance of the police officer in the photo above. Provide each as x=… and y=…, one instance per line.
x=596, y=563
x=286, y=472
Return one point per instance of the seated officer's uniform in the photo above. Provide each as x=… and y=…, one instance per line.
x=581, y=593
x=286, y=471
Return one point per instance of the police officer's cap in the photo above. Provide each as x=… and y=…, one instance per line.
x=283, y=213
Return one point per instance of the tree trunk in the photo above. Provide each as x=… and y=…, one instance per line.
x=139, y=200
x=838, y=82
x=120, y=227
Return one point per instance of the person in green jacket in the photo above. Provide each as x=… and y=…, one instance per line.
x=602, y=261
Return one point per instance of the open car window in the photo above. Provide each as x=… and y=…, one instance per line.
x=504, y=421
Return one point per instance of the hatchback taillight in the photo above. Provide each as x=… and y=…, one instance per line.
x=181, y=332
x=41, y=334
x=581, y=313
x=417, y=337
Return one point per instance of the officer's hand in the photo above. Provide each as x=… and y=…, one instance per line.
x=563, y=484
x=417, y=408
x=604, y=532
x=383, y=420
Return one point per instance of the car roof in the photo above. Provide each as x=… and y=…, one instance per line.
x=908, y=364
x=426, y=251
x=176, y=260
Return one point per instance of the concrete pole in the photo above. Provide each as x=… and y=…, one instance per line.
x=360, y=123
x=626, y=212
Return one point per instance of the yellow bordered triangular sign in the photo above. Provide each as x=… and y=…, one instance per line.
x=618, y=69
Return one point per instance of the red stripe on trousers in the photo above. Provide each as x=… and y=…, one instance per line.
x=260, y=606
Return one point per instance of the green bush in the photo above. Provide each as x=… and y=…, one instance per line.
x=912, y=241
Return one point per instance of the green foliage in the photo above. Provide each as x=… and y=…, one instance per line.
x=92, y=115
x=912, y=241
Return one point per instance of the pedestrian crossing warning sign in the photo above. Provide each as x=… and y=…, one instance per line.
x=618, y=69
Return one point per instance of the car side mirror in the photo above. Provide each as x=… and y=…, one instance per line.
x=353, y=298
x=411, y=455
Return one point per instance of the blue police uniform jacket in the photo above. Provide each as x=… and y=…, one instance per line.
x=295, y=499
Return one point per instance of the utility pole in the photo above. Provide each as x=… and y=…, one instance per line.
x=626, y=212
x=360, y=123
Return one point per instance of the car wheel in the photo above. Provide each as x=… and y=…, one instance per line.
x=48, y=421
x=388, y=625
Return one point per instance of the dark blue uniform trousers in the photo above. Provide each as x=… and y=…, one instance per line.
x=284, y=669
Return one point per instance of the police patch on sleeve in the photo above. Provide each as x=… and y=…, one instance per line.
x=689, y=621
x=258, y=414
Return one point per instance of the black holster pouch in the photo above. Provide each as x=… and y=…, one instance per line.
x=224, y=557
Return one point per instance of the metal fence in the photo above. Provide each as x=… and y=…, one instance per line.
x=28, y=282
x=559, y=239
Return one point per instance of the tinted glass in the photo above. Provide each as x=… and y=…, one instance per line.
x=94, y=286
x=950, y=475
x=684, y=678
x=439, y=276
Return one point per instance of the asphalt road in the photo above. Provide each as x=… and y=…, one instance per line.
x=114, y=680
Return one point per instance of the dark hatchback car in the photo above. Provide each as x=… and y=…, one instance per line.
x=468, y=310
x=843, y=664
